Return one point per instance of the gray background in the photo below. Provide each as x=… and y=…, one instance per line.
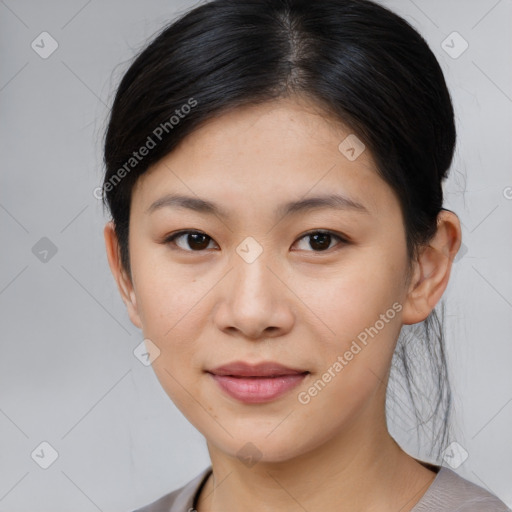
x=68, y=375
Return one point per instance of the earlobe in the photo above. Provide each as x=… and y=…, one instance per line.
x=432, y=269
x=418, y=303
x=123, y=281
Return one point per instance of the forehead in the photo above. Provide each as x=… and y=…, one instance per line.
x=265, y=153
x=281, y=130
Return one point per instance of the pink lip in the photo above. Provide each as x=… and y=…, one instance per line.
x=264, y=369
x=253, y=390
x=259, y=383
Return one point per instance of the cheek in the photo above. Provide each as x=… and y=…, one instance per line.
x=173, y=308
x=166, y=295
x=174, y=322
x=366, y=320
x=352, y=299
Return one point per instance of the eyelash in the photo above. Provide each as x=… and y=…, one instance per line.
x=341, y=239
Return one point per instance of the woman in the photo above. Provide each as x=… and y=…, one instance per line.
x=274, y=172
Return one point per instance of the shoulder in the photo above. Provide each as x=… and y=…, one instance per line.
x=450, y=492
x=179, y=500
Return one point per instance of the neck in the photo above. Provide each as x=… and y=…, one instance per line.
x=357, y=470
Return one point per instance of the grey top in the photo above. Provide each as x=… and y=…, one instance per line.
x=448, y=492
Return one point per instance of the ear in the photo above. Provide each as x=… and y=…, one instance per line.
x=124, y=283
x=432, y=269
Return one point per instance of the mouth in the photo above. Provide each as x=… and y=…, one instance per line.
x=258, y=383
x=264, y=369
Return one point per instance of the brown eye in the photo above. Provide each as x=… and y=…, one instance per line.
x=195, y=240
x=320, y=240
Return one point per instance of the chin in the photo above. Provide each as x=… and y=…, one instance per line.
x=258, y=447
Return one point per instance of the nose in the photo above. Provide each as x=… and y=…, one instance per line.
x=254, y=303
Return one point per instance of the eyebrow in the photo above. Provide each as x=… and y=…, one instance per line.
x=336, y=201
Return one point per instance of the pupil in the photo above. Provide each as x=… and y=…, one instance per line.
x=322, y=239
x=197, y=241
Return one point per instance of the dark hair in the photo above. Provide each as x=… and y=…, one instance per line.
x=361, y=64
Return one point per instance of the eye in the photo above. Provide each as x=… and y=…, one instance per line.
x=321, y=240
x=196, y=240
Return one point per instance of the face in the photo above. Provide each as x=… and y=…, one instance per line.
x=297, y=256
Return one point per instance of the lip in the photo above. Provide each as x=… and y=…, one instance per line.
x=264, y=369
x=257, y=383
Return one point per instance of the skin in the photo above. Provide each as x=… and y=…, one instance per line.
x=294, y=304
